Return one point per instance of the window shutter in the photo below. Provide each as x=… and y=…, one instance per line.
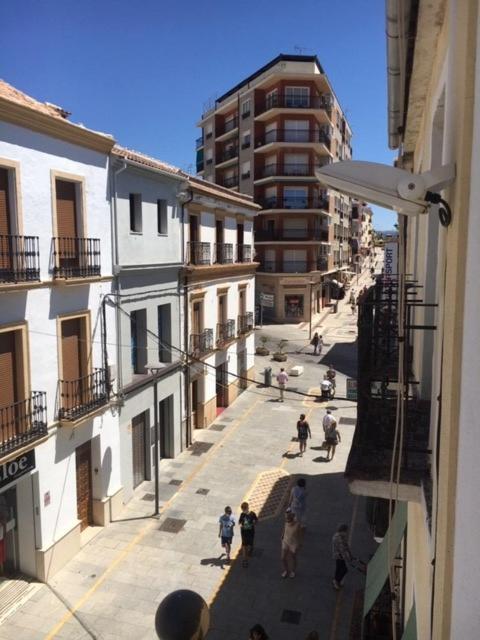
x=8, y=374
x=66, y=209
x=71, y=349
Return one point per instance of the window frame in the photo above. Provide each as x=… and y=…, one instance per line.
x=162, y=217
x=137, y=213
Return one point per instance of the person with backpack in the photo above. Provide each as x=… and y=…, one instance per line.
x=303, y=432
x=247, y=521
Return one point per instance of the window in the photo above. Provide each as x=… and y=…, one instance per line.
x=245, y=109
x=246, y=170
x=164, y=333
x=208, y=131
x=295, y=197
x=297, y=131
x=138, y=340
x=162, y=217
x=272, y=99
x=297, y=97
x=209, y=156
x=135, y=213
x=246, y=139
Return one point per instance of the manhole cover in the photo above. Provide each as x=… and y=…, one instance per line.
x=229, y=419
x=292, y=617
x=198, y=448
x=348, y=421
x=172, y=525
x=177, y=483
x=149, y=497
x=218, y=427
x=202, y=492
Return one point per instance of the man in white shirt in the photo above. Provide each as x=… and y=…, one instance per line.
x=282, y=379
x=327, y=422
x=326, y=388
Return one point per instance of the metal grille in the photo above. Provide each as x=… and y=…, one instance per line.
x=76, y=257
x=201, y=342
x=225, y=332
x=172, y=525
x=199, y=253
x=82, y=396
x=23, y=422
x=19, y=259
x=198, y=448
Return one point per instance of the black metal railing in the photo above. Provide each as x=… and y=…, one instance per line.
x=287, y=101
x=294, y=202
x=23, y=422
x=293, y=266
x=294, y=136
x=199, y=142
x=288, y=235
x=229, y=182
x=199, y=253
x=285, y=169
x=76, y=257
x=228, y=126
x=227, y=154
x=78, y=398
x=223, y=253
x=19, y=259
x=322, y=264
x=244, y=253
x=245, y=323
x=201, y=343
x=225, y=332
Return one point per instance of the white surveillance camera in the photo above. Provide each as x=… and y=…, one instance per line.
x=397, y=189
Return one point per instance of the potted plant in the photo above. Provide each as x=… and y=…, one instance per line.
x=279, y=356
x=262, y=350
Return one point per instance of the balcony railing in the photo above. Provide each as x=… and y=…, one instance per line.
x=322, y=264
x=294, y=202
x=288, y=235
x=76, y=257
x=23, y=422
x=293, y=136
x=201, y=343
x=223, y=253
x=293, y=266
x=225, y=332
x=78, y=398
x=199, y=253
x=245, y=323
x=285, y=170
x=199, y=142
x=227, y=154
x=244, y=253
x=19, y=259
x=286, y=101
x=229, y=125
x=229, y=182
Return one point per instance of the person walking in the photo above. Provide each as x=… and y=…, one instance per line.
x=225, y=533
x=341, y=554
x=298, y=503
x=315, y=342
x=257, y=632
x=282, y=379
x=332, y=438
x=303, y=432
x=247, y=521
x=290, y=543
x=352, y=305
x=327, y=421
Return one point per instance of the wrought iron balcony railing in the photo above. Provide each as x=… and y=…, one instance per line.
x=244, y=253
x=294, y=202
x=78, y=398
x=199, y=253
x=19, y=259
x=199, y=142
x=201, y=343
x=23, y=422
x=228, y=126
x=227, y=154
x=245, y=323
x=293, y=266
x=288, y=101
x=293, y=136
x=76, y=257
x=225, y=332
x=223, y=253
x=291, y=235
x=228, y=182
x=285, y=169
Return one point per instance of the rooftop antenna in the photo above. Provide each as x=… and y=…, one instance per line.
x=301, y=50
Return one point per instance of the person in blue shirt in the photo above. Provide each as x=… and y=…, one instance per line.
x=225, y=532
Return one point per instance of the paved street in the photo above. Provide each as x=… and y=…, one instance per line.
x=114, y=585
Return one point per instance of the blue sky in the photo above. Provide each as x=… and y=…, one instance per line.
x=144, y=70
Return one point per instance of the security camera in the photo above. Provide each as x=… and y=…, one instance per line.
x=397, y=189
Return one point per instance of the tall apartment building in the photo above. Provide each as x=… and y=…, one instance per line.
x=265, y=137
x=361, y=235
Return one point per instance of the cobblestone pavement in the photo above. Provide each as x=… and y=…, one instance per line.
x=112, y=588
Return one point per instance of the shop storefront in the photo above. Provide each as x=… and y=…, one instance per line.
x=294, y=306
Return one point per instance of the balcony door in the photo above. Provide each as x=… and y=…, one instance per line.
x=83, y=464
x=194, y=234
x=297, y=130
x=138, y=448
x=11, y=386
x=197, y=323
x=67, y=250
x=297, y=97
x=74, y=364
x=5, y=224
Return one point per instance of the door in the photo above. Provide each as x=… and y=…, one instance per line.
x=194, y=402
x=197, y=318
x=73, y=364
x=67, y=229
x=193, y=229
x=5, y=227
x=221, y=386
x=138, y=449
x=8, y=533
x=83, y=460
x=165, y=415
x=10, y=388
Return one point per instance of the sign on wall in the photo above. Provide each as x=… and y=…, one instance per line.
x=10, y=471
x=267, y=300
x=390, y=267
x=351, y=389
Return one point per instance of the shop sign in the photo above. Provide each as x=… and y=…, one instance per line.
x=267, y=300
x=16, y=468
x=351, y=389
x=391, y=260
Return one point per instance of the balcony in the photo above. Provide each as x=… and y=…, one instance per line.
x=225, y=332
x=244, y=253
x=199, y=253
x=76, y=257
x=245, y=323
x=228, y=182
x=285, y=170
x=294, y=202
x=201, y=343
x=294, y=136
x=199, y=142
x=293, y=266
x=78, y=398
x=22, y=423
x=223, y=253
x=228, y=127
x=19, y=259
x=291, y=235
x=226, y=154
x=297, y=102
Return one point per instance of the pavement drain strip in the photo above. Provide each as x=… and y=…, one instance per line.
x=228, y=419
x=217, y=427
x=348, y=421
x=172, y=525
x=290, y=616
x=202, y=492
x=14, y=592
x=199, y=447
x=176, y=483
x=149, y=497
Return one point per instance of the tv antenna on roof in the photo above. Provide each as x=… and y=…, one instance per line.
x=301, y=50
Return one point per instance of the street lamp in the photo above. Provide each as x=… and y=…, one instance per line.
x=154, y=369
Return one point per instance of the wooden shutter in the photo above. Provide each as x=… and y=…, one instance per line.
x=83, y=459
x=5, y=228
x=8, y=372
x=66, y=209
x=71, y=349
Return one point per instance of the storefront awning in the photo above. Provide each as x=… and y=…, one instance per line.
x=378, y=567
x=410, y=631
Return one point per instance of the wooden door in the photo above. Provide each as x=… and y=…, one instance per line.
x=194, y=403
x=197, y=318
x=240, y=234
x=165, y=415
x=83, y=461
x=242, y=304
x=5, y=225
x=67, y=225
x=73, y=363
x=219, y=231
x=193, y=229
x=138, y=449
x=221, y=386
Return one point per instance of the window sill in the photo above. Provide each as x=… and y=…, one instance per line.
x=136, y=233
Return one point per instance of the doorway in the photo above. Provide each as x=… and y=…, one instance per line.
x=221, y=387
x=83, y=463
x=165, y=415
x=8, y=532
x=195, y=403
x=138, y=448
